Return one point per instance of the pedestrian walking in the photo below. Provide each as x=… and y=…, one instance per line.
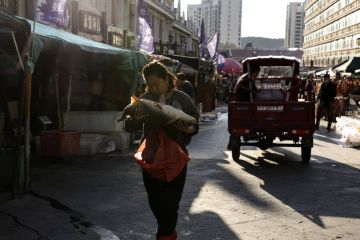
x=309, y=88
x=326, y=98
x=164, y=197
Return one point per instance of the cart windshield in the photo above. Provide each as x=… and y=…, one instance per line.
x=275, y=72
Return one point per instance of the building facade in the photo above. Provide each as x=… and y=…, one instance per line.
x=114, y=22
x=294, y=25
x=223, y=17
x=230, y=23
x=332, y=31
x=194, y=17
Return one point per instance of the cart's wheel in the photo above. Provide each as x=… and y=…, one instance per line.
x=235, y=147
x=305, y=154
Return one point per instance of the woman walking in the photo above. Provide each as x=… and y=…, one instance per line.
x=164, y=197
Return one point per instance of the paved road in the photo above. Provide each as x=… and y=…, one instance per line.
x=267, y=195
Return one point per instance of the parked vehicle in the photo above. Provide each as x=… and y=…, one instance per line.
x=273, y=111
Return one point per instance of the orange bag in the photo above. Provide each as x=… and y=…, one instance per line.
x=161, y=156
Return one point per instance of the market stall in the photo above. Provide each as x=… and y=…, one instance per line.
x=203, y=80
x=66, y=74
x=14, y=46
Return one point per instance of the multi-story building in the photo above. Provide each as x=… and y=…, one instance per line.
x=194, y=17
x=294, y=25
x=223, y=17
x=332, y=31
x=230, y=23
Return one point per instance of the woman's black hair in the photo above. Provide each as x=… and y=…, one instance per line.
x=158, y=69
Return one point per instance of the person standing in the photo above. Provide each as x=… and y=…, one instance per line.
x=164, y=197
x=326, y=98
x=184, y=85
x=309, y=88
x=243, y=87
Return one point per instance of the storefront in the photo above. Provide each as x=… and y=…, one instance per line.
x=14, y=46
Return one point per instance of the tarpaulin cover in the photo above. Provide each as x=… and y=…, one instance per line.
x=126, y=62
x=21, y=29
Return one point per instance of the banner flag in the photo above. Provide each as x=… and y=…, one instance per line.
x=53, y=12
x=145, y=41
x=212, y=45
x=202, y=42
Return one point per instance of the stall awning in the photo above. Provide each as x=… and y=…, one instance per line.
x=126, y=63
x=14, y=35
x=351, y=66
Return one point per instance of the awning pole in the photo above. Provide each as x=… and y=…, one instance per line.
x=18, y=156
x=28, y=82
x=17, y=50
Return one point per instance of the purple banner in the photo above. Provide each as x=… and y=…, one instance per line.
x=212, y=45
x=145, y=40
x=53, y=12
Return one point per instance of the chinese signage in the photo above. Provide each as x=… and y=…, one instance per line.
x=116, y=39
x=53, y=12
x=130, y=40
x=89, y=23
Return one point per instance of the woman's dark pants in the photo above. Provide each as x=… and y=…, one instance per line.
x=164, y=198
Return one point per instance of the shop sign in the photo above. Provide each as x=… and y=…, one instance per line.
x=130, y=40
x=116, y=39
x=53, y=12
x=89, y=23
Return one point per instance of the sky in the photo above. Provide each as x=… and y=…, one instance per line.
x=261, y=18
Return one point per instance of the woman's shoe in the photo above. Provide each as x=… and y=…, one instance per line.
x=173, y=236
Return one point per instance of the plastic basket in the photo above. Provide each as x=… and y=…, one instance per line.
x=60, y=143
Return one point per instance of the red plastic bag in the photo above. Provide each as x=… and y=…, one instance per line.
x=161, y=156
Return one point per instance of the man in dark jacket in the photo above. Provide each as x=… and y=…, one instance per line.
x=326, y=97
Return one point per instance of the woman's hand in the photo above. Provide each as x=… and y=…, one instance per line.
x=137, y=114
x=184, y=127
